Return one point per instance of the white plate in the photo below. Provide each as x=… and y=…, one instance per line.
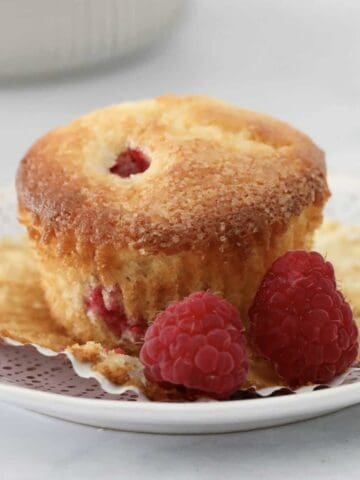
x=20, y=388
x=213, y=417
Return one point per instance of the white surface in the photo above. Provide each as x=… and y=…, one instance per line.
x=50, y=36
x=296, y=60
x=42, y=448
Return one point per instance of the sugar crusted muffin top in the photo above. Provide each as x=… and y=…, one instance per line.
x=216, y=176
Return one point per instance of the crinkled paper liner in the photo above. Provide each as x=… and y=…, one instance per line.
x=44, y=369
x=41, y=368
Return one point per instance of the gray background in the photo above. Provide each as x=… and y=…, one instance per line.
x=299, y=61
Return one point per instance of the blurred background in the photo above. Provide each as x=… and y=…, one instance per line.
x=299, y=61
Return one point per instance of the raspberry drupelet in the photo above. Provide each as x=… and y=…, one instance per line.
x=198, y=343
x=301, y=322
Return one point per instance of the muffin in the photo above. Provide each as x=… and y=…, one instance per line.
x=137, y=205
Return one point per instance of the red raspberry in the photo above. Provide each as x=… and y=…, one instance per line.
x=199, y=343
x=130, y=162
x=301, y=322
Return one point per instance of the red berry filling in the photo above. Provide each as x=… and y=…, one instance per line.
x=301, y=322
x=198, y=343
x=107, y=305
x=130, y=162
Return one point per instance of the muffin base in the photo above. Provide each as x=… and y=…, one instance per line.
x=148, y=282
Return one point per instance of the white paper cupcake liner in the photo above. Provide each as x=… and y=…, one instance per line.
x=40, y=368
x=33, y=366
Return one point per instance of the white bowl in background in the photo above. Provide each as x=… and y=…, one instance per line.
x=42, y=36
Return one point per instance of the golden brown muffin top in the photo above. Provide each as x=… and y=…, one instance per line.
x=218, y=174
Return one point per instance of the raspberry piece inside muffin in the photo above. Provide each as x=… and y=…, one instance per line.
x=107, y=306
x=301, y=322
x=130, y=162
x=198, y=343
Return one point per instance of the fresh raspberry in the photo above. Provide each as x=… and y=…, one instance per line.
x=130, y=162
x=301, y=322
x=198, y=343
